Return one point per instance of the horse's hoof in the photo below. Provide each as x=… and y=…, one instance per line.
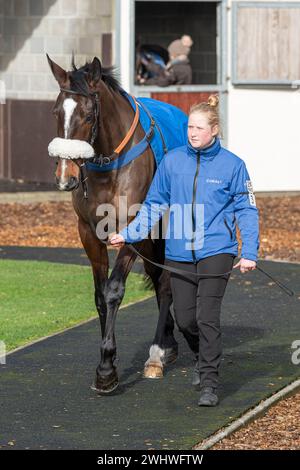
x=153, y=371
x=170, y=356
x=106, y=384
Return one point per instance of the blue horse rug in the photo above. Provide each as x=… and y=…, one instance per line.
x=169, y=132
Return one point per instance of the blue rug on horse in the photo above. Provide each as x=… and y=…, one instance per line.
x=171, y=121
x=170, y=131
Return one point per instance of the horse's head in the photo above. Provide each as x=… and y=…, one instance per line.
x=77, y=110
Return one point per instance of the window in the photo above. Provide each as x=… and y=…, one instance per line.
x=266, y=43
x=161, y=22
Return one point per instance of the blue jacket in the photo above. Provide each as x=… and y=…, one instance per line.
x=205, y=192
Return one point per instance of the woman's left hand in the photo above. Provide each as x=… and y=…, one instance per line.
x=116, y=240
x=245, y=265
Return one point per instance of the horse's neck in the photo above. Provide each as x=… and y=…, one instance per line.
x=116, y=116
x=116, y=119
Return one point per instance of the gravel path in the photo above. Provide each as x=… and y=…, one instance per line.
x=54, y=224
x=278, y=429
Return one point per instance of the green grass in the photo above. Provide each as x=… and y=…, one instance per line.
x=41, y=298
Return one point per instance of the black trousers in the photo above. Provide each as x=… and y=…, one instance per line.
x=197, y=308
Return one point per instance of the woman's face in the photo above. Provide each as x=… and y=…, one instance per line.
x=200, y=133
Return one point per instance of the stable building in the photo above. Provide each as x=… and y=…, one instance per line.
x=247, y=52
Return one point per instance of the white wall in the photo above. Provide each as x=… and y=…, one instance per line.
x=124, y=41
x=264, y=130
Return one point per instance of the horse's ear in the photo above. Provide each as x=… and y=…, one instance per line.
x=95, y=72
x=60, y=74
x=73, y=61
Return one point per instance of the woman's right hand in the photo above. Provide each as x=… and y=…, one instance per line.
x=116, y=240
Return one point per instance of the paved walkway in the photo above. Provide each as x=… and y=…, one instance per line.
x=46, y=402
x=58, y=255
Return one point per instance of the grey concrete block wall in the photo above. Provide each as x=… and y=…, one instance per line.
x=31, y=28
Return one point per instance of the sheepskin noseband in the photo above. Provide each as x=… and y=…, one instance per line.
x=70, y=149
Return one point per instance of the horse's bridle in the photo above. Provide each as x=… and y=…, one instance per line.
x=96, y=110
x=101, y=159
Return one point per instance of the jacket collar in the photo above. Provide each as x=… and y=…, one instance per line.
x=206, y=153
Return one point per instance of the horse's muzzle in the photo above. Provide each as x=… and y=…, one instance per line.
x=73, y=183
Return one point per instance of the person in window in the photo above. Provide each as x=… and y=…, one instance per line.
x=210, y=189
x=178, y=70
x=150, y=64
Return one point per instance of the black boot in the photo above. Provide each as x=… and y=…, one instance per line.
x=208, y=397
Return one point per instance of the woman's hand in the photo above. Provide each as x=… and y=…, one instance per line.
x=116, y=240
x=245, y=265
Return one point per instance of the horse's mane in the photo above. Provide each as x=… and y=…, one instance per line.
x=79, y=82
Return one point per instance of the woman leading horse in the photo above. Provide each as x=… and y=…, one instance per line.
x=212, y=188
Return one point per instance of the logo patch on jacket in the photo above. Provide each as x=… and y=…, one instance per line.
x=250, y=193
x=213, y=180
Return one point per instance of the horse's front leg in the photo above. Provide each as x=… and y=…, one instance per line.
x=106, y=374
x=98, y=256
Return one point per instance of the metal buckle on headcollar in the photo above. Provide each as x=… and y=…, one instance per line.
x=83, y=177
x=102, y=160
x=82, y=167
x=105, y=160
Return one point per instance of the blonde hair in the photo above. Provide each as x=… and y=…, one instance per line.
x=211, y=108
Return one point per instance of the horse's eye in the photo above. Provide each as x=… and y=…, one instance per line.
x=89, y=118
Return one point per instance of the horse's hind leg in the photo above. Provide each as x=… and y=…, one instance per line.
x=164, y=349
x=164, y=335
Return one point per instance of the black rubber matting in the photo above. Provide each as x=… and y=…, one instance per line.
x=58, y=255
x=46, y=401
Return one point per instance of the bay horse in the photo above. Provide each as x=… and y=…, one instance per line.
x=91, y=108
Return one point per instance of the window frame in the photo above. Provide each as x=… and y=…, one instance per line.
x=236, y=81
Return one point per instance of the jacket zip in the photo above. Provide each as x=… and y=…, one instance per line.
x=193, y=204
x=229, y=229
